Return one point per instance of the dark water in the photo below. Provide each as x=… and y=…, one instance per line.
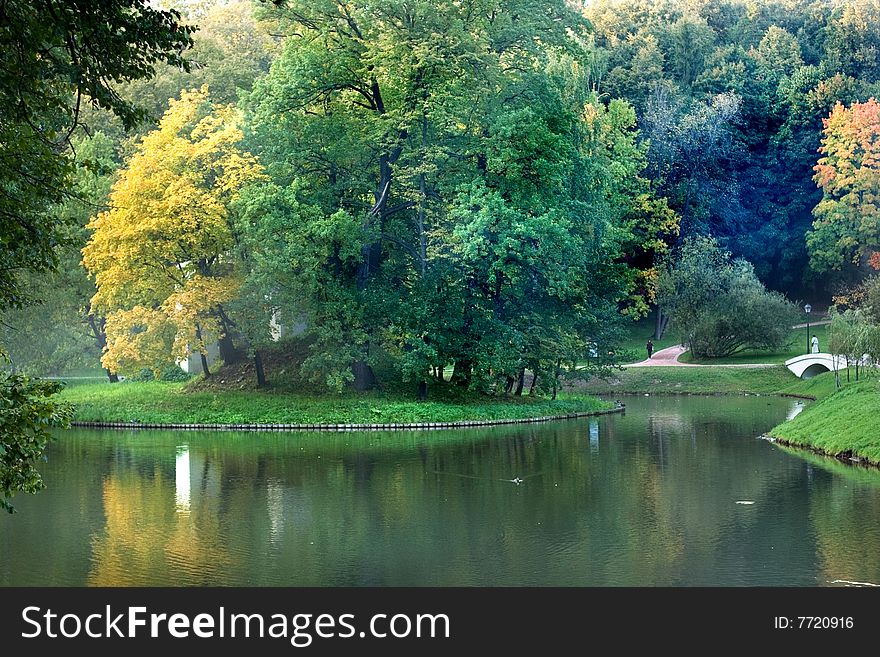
x=649, y=498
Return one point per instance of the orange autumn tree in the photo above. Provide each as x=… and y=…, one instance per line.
x=847, y=225
x=161, y=256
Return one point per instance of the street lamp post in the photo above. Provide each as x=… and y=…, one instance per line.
x=807, y=310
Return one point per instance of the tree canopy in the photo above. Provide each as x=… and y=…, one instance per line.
x=719, y=306
x=162, y=254
x=424, y=186
x=847, y=226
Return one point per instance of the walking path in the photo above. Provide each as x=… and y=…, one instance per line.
x=669, y=358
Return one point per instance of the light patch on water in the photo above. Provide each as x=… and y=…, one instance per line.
x=594, y=435
x=182, y=480
x=795, y=410
x=275, y=506
x=849, y=583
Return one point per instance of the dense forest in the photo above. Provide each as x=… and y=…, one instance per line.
x=483, y=188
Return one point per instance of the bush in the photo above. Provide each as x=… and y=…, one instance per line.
x=719, y=305
x=145, y=374
x=174, y=373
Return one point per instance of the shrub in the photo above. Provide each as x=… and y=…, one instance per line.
x=174, y=373
x=719, y=305
x=145, y=374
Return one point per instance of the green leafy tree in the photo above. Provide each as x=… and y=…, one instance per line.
x=27, y=412
x=846, y=229
x=57, y=54
x=59, y=330
x=719, y=305
x=442, y=187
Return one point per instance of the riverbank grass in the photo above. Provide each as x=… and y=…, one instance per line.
x=843, y=424
x=708, y=380
x=172, y=403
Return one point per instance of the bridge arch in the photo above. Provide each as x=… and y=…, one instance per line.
x=814, y=370
x=809, y=365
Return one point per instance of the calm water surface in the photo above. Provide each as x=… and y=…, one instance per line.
x=647, y=498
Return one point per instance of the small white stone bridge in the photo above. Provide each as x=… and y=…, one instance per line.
x=809, y=365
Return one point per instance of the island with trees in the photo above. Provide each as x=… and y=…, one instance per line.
x=343, y=212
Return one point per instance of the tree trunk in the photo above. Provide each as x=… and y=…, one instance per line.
x=202, y=355
x=364, y=378
x=520, y=382
x=556, y=378
x=423, y=390
x=662, y=320
x=97, y=326
x=508, y=386
x=258, y=366
x=533, y=383
x=227, y=350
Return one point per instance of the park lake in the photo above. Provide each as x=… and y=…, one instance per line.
x=677, y=491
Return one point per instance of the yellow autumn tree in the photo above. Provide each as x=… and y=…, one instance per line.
x=162, y=255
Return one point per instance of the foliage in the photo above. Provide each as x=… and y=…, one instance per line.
x=719, y=305
x=230, y=50
x=692, y=151
x=445, y=189
x=856, y=337
x=27, y=412
x=786, y=63
x=846, y=227
x=55, y=55
x=798, y=344
x=59, y=330
x=173, y=373
x=142, y=376
x=161, y=256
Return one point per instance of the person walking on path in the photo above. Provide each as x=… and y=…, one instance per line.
x=814, y=344
x=650, y=348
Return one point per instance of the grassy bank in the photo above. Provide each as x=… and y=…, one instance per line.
x=842, y=424
x=156, y=402
x=708, y=380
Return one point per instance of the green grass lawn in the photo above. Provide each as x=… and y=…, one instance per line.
x=709, y=380
x=159, y=402
x=796, y=347
x=843, y=423
x=692, y=380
